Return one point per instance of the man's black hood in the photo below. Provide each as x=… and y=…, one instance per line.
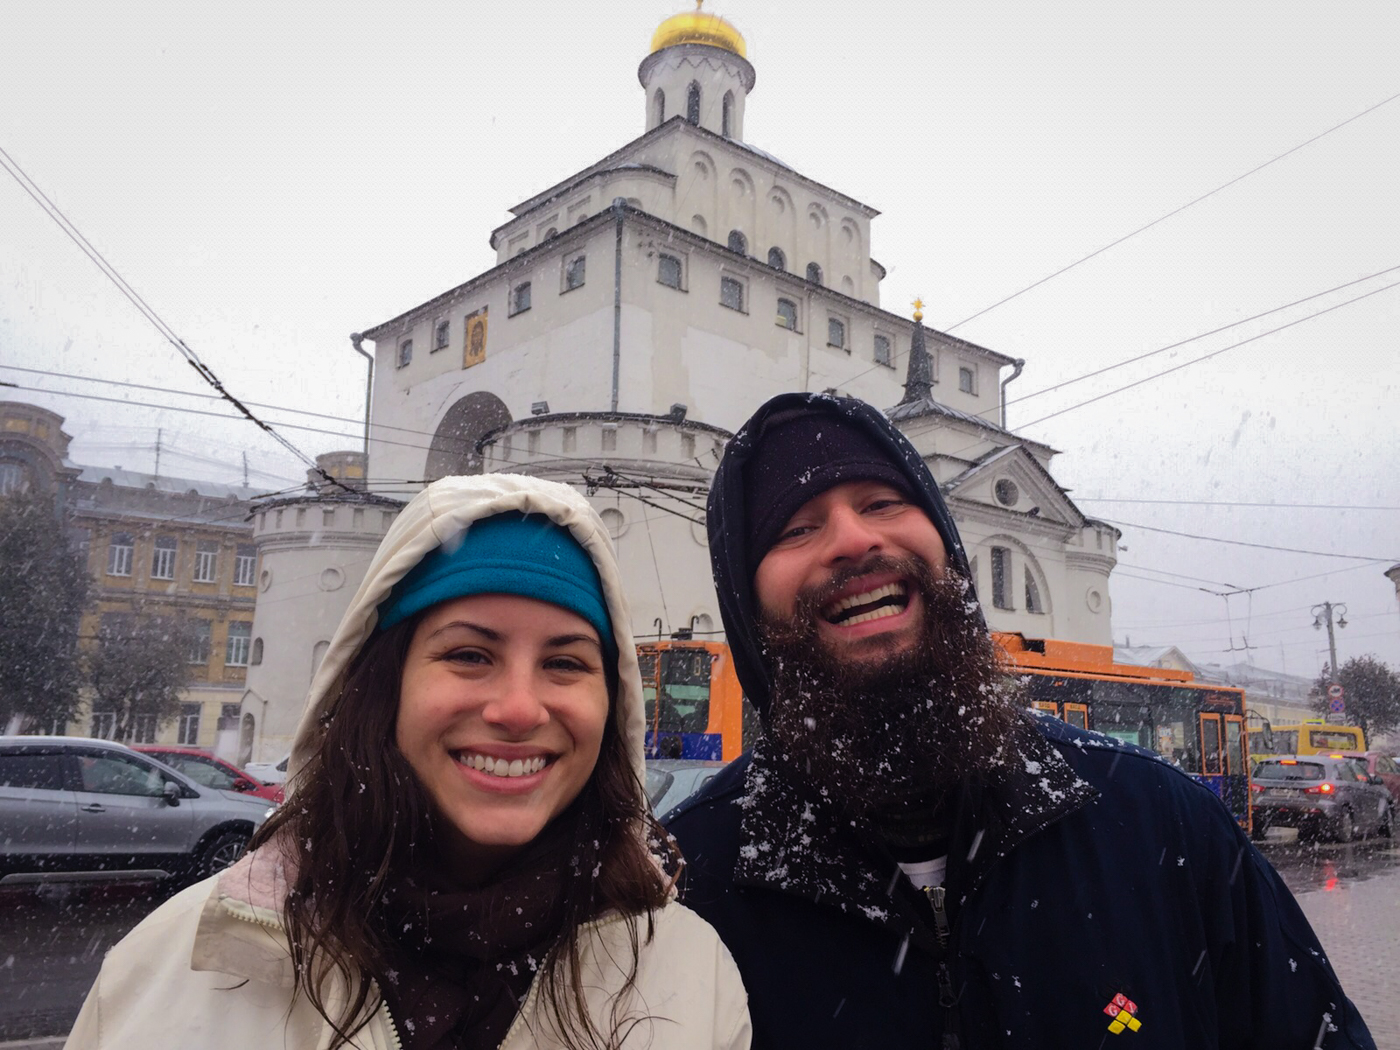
x=729, y=527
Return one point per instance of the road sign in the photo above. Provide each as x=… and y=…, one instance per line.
x=1334, y=691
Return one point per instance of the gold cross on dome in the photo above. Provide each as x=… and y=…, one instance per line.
x=919, y=309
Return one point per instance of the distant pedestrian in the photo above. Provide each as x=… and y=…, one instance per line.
x=908, y=859
x=465, y=858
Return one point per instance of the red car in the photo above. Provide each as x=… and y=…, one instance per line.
x=205, y=769
x=1383, y=766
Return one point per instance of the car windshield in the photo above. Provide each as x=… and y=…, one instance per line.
x=1289, y=771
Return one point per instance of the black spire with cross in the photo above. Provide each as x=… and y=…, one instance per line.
x=918, y=384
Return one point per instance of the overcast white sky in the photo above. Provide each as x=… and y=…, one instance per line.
x=274, y=176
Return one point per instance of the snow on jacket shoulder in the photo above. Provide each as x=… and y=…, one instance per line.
x=211, y=969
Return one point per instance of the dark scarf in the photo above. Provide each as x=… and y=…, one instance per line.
x=465, y=959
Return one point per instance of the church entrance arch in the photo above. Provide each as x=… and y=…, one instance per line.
x=454, y=443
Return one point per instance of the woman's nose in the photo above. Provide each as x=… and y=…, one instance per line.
x=515, y=706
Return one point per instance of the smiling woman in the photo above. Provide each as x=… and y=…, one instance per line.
x=465, y=859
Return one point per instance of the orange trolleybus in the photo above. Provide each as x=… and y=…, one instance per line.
x=1199, y=727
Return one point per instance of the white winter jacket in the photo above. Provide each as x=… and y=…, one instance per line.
x=212, y=969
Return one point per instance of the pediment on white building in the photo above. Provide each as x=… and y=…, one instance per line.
x=1014, y=481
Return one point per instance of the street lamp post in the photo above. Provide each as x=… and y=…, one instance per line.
x=1323, y=614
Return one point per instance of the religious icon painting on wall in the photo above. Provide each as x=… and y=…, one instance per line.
x=475, y=349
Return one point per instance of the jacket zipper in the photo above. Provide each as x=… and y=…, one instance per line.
x=938, y=897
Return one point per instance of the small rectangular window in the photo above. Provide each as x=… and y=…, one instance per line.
x=206, y=562
x=163, y=559
x=405, y=352
x=240, y=634
x=119, y=554
x=731, y=293
x=967, y=380
x=836, y=332
x=787, y=314
x=668, y=271
x=188, y=733
x=574, y=272
x=442, y=335
x=532, y=441
x=245, y=565
x=609, y=438
x=1001, y=577
x=199, y=642
x=883, y=352
x=520, y=298
x=570, y=439
x=327, y=518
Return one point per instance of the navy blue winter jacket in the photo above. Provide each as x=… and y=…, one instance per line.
x=1090, y=870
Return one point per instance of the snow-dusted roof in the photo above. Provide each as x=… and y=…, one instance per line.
x=1153, y=656
x=132, y=479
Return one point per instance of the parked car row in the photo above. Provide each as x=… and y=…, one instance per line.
x=73, y=809
x=1331, y=796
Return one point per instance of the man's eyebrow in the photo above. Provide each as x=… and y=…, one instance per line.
x=490, y=634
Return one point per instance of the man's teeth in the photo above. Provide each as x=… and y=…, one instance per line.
x=502, y=767
x=879, y=594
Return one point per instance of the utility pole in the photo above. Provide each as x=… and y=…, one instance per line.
x=159, y=434
x=1323, y=614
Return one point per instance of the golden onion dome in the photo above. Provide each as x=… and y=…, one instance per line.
x=696, y=27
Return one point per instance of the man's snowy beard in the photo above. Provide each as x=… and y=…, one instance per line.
x=894, y=730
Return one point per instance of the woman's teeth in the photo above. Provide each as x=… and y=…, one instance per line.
x=501, y=767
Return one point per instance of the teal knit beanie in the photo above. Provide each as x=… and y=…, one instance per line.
x=512, y=553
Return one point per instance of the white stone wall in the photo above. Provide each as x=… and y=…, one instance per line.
x=309, y=571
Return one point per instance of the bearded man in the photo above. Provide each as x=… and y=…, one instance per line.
x=908, y=858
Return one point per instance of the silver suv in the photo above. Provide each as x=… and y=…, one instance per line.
x=91, y=810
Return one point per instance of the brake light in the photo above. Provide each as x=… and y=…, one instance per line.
x=1336, y=756
x=1255, y=787
x=1288, y=761
x=1320, y=789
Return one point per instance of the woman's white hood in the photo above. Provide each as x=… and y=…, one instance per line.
x=441, y=513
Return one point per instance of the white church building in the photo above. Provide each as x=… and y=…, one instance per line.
x=638, y=312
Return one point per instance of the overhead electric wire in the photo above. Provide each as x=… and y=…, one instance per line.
x=205, y=372
x=1259, y=546
x=1175, y=211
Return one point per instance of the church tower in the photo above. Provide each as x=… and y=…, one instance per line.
x=697, y=69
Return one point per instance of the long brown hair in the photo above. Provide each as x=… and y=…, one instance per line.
x=359, y=818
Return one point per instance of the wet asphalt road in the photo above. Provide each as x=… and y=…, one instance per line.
x=52, y=941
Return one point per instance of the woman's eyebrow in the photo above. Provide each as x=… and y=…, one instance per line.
x=491, y=635
x=561, y=640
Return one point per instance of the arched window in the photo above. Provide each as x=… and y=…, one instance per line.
x=692, y=103
x=814, y=273
x=777, y=259
x=727, y=126
x=738, y=242
x=257, y=651
x=659, y=105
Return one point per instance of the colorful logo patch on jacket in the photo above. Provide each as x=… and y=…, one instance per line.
x=1124, y=1013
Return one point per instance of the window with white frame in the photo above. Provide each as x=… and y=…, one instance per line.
x=200, y=631
x=143, y=729
x=836, y=332
x=104, y=725
x=787, y=314
x=405, y=352
x=187, y=732
x=206, y=562
x=1001, y=578
x=731, y=293
x=884, y=350
x=163, y=558
x=1033, y=602
x=668, y=271
x=240, y=637
x=119, y=551
x=967, y=379
x=13, y=478
x=245, y=565
x=574, y=272
x=442, y=334
x=520, y=298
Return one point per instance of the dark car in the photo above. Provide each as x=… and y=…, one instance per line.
x=670, y=781
x=210, y=770
x=75, y=810
x=1320, y=795
x=1383, y=766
